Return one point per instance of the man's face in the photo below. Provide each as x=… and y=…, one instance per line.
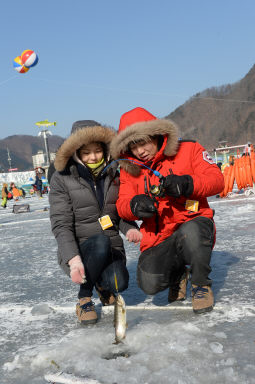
x=144, y=150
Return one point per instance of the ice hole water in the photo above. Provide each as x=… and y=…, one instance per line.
x=119, y=351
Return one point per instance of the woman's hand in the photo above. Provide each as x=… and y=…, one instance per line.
x=77, y=272
x=134, y=236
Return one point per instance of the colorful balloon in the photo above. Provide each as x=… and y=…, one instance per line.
x=29, y=58
x=18, y=66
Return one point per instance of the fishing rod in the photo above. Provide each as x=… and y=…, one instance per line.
x=155, y=190
x=156, y=173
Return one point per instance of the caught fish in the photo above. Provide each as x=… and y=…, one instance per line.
x=120, y=323
x=67, y=378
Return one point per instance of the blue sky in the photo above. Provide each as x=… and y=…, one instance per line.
x=100, y=58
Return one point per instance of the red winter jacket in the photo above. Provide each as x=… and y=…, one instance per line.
x=207, y=179
x=177, y=157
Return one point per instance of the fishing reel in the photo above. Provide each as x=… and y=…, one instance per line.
x=157, y=190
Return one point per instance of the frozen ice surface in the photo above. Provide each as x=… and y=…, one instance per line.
x=40, y=335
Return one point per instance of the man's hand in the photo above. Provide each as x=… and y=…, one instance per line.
x=77, y=272
x=142, y=206
x=134, y=236
x=177, y=186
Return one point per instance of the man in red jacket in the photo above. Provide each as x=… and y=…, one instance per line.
x=165, y=183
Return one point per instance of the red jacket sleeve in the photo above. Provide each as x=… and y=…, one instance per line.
x=126, y=192
x=207, y=177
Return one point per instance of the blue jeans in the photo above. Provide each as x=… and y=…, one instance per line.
x=102, y=263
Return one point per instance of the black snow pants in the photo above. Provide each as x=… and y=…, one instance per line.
x=191, y=244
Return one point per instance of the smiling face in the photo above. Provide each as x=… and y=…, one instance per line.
x=144, y=150
x=91, y=153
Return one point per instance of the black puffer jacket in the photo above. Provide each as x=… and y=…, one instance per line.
x=74, y=208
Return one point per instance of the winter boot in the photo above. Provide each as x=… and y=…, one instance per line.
x=202, y=298
x=177, y=291
x=106, y=297
x=85, y=311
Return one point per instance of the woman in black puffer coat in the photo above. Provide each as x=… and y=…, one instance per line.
x=84, y=217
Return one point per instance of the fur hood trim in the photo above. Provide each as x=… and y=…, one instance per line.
x=82, y=136
x=143, y=131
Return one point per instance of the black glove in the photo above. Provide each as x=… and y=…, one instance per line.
x=142, y=206
x=177, y=186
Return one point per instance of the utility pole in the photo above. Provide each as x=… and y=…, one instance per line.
x=45, y=133
x=9, y=158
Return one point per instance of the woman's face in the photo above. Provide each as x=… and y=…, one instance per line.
x=144, y=150
x=91, y=153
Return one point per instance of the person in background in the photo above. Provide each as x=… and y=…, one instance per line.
x=84, y=218
x=4, y=195
x=247, y=149
x=14, y=191
x=39, y=184
x=22, y=192
x=219, y=164
x=51, y=170
x=177, y=223
x=12, y=185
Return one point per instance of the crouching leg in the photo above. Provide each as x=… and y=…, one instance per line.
x=158, y=267
x=194, y=243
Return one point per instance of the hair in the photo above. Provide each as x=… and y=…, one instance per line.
x=102, y=145
x=159, y=139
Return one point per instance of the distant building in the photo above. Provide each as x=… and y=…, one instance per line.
x=40, y=159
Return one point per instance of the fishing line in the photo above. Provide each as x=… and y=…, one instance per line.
x=114, y=272
x=115, y=279
x=156, y=173
x=66, y=83
x=16, y=310
x=108, y=88
x=114, y=89
x=10, y=78
x=220, y=99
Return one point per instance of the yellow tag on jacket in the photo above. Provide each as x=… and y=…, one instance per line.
x=105, y=222
x=192, y=205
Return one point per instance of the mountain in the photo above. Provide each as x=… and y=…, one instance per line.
x=225, y=113
x=21, y=149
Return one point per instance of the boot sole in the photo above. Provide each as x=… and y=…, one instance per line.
x=203, y=310
x=87, y=322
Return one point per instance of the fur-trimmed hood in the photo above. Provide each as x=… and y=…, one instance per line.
x=83, y=136
x=142, y=130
